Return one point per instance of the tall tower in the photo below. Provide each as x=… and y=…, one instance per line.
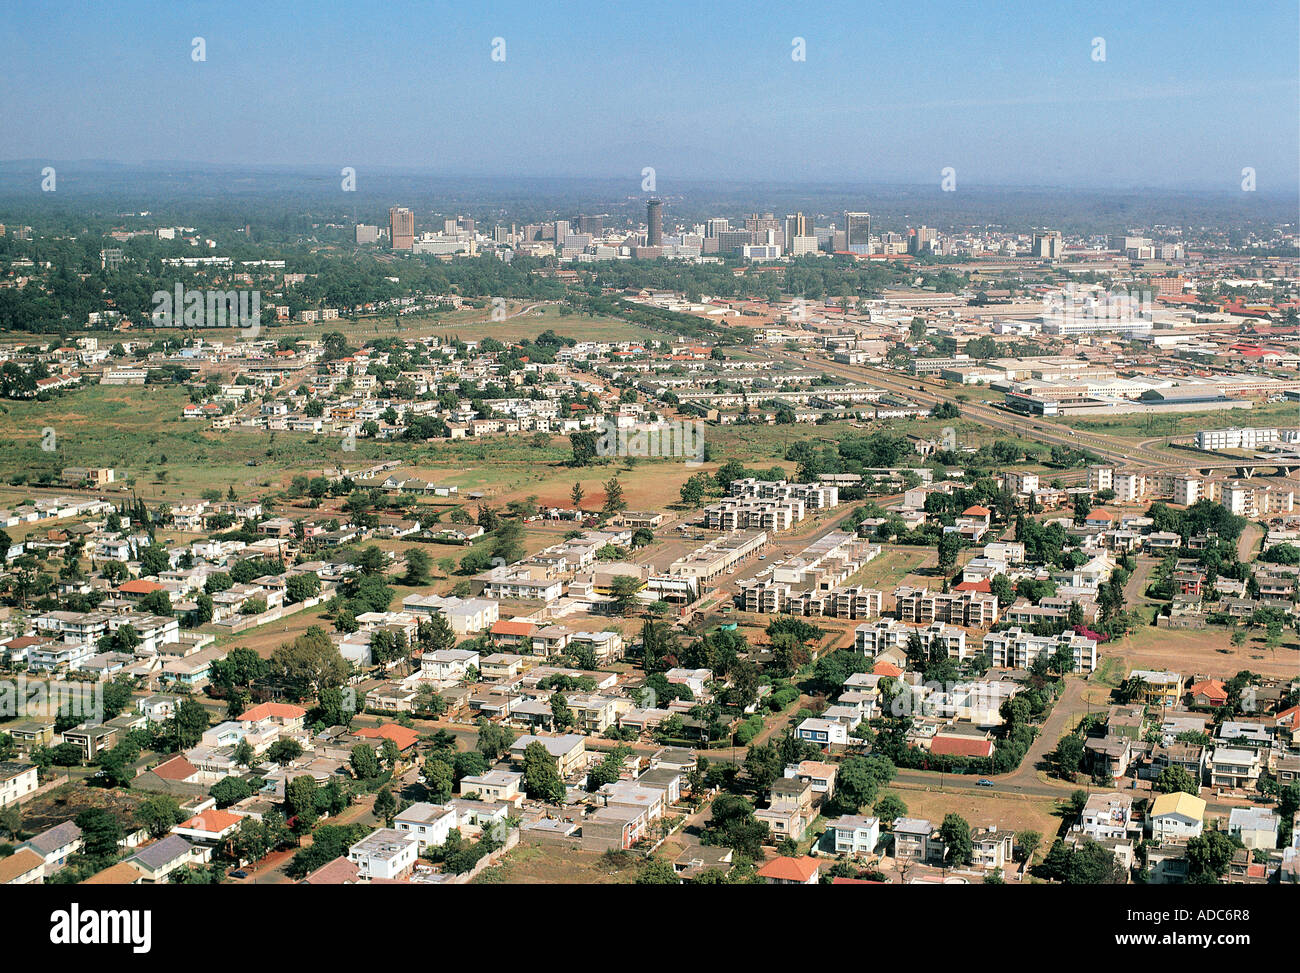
x=654, y=218
x=401, y=228
x=857, y=232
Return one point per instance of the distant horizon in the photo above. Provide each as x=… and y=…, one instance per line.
x=10, y=171
x=1014, y=94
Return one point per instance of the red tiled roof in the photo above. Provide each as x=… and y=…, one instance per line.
x=262, y=711
x=1211, y=689
x=984, y=586
x=139, y=586
x=976, y=511
x=178, y=768
x=886, y=668
x=954, y=746
x=402, y=736
x=791, y=869
x=513, y=628
x=212, y=821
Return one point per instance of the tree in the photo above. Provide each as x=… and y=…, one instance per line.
x=300, y=799
x=561, y=714
x=542, y=779
x=385, y=806
x=657, y=871
x=955, y=832
x=189, y=723
x=308, y=664
x=417, y=567
x=436, y=634
x=1173, y=779
x=493, y=738
x=576, y=494
x=857, y=782
x=949, y=547
x=1069, y=756
x=101, y=833
x=1028, y=842
x=763, y=766
x=284, y=751
x=365, y=763
x=623, y=588
x=890, y=807
x=439, y=779
x=244, y=755
x=614, y=502
x=732, y=824
x=158, y=813
x=230, y=790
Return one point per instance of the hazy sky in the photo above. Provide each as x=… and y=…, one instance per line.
x=1005, y=92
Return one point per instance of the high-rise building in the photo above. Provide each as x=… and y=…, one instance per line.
x=796, y=224
x=365, y=233
x=1047, y=245
x=857, y=232
x=922, y=239
x=715, y=226
x=401, y=228
x=595, y=225
x=561, y=231
x=654, y=219
x=755, y=223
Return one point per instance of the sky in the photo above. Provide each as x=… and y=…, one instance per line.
x=1005, y=93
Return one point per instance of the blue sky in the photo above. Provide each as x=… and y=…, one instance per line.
x=1007, y=92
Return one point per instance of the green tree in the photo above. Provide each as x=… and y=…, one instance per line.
x=542, y=775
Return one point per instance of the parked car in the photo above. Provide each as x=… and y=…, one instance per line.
x=984, y=782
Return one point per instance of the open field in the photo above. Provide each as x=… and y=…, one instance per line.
x=981, y=810
x=1207, y=651
x=531, y=864
x=1138, y=426
x=895, y=566
x=66, y=802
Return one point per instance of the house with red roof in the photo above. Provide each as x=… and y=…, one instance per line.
x=791, y=871
x=138, y=588
x=1209, y=693
x=211, y=827
x=512, y=635
x=953, y=745
x=1100, y=517
x=404, y=737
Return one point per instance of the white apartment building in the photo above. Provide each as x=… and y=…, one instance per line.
x=1017, y=649
x=1235, y=437
x=386, y=853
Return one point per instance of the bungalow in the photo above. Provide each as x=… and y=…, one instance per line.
x=791, y=871
x=159, y=860
x=1208, y=693
x=23, y=867
x=210, y=827
x=512, y=634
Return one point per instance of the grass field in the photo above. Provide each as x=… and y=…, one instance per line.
x=530, y=864
x=1206, y=651
x=981, y=810
x=895, y=566
x=1141, y=427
